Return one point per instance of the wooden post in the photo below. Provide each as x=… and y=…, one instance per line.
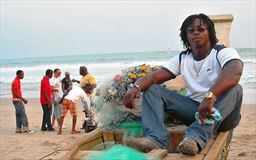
x=176, y=134
x=222, y=25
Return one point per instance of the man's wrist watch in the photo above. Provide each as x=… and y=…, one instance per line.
x=210, y=95
x=135, y=86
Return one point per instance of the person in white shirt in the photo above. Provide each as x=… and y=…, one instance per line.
x=69, y=103
x=211, y=73
x=57, y=95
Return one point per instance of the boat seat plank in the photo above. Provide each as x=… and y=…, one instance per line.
x=108, y=136
x=84, y=155
x=158, y=154
x=217, y=147
x=82, y=140
x=180, y=156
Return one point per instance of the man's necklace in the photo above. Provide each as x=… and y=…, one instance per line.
x=198, y=69
x=202, y=63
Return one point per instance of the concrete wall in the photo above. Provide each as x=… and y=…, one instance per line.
x=223, y=27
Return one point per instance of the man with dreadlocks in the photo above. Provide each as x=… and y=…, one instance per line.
x=211, y=73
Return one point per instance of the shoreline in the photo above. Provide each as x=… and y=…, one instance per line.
x=31, y=91
x=38, y=144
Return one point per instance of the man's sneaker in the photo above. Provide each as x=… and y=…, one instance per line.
x=18, y=131
x=141, y=144
x=28, y=131
x=51, y=129
x=43, y=129
x=188, y=146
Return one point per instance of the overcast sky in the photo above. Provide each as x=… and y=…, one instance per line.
x=55, y=28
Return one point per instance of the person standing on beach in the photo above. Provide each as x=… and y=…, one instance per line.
x=69, y=103
x=46, y=101
x=57, y=95
x=211, y=73
x=66, y=83
x=18, y=102
x=88, y=81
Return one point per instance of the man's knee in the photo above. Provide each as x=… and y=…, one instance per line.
x=150, y=91
x=153, y=88
x=234, y=117
x=239, y=90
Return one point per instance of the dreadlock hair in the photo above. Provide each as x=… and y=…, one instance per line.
x=189, y=21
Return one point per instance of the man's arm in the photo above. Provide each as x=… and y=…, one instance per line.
x=74, y=80
x=229, y=78
x=63, y=87
x=16, y=94
x=53, y=85
x=144, y=83
x=92, y=82
x=47, y=98
x=92, y=86
x=53, y=88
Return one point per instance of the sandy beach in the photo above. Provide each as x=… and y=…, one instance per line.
x=39, y=144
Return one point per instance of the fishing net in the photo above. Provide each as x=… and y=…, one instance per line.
x=131, y=128
x=109, y=104
x=114, y=115
x=118, y=152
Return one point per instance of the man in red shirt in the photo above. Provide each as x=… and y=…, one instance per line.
x=18, y=100
x=46, y=101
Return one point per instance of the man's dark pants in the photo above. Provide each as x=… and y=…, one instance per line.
x=46, y=117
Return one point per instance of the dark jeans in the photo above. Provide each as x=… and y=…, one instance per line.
x=158, y=100
x=46, y=116
x=21, y=117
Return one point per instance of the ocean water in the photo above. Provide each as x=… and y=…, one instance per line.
x=102, y=66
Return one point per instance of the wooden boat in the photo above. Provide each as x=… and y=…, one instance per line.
x=97, y=140
x=217, y=148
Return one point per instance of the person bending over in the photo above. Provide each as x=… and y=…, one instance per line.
x=69, y=103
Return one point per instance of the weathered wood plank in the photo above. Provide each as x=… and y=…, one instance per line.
x=108, y=136
x=88, y=137
x=61, y=155
x=176, y=134
x=158, y=154
x=95, y=144
x=84, y=155
x=118, y=136
x=57, y=155
x=217, y=147
x=180, y=156
x=208, y=147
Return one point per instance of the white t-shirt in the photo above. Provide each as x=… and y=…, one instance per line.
x=77, y=93
x=55, y=82
x=199, y=76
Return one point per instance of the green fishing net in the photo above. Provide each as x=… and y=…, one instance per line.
x=183, y=92
x=118, y=152
x=131, y=128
